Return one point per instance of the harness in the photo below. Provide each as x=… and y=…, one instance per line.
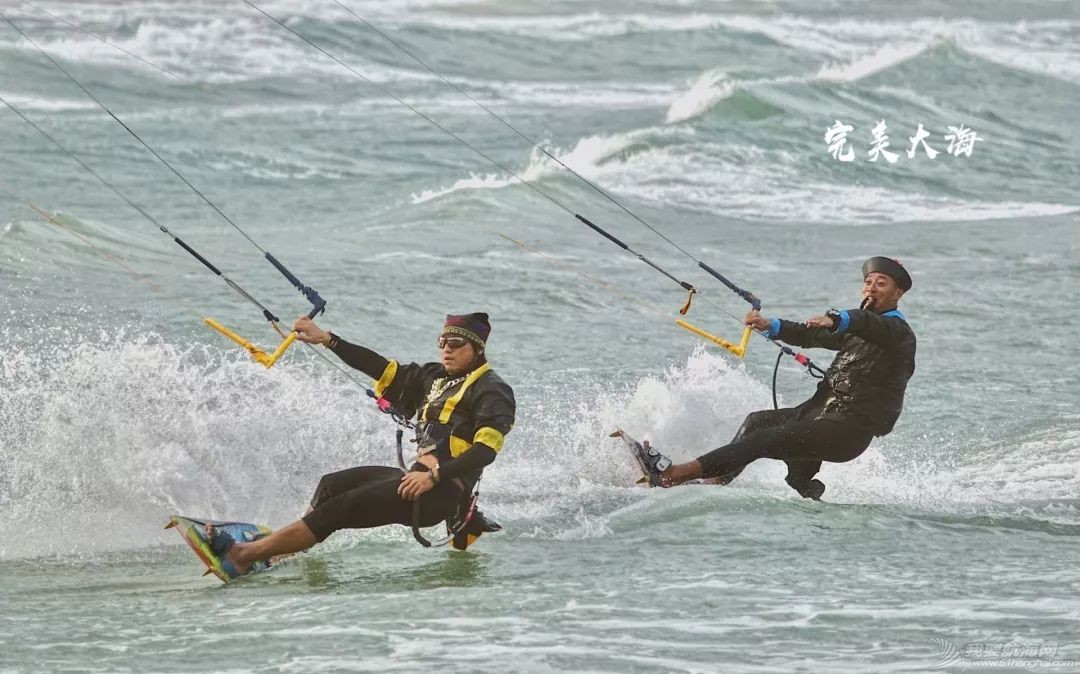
x=433, y=436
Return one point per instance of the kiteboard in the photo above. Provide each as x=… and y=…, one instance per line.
x=193, y=532
x=641, y=453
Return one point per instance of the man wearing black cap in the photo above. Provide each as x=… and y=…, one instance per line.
x=859, y=398
x=465, y=411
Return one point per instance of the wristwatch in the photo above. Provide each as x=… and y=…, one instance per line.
x=835, y=316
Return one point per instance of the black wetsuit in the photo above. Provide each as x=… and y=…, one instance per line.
x=464, y=421
x=860, y=397
x=366, y=497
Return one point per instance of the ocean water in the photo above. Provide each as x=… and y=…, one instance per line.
x=952, y=543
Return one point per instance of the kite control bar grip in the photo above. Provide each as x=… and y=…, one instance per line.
x=745, y=294
x=318, y=304
x=600, y=230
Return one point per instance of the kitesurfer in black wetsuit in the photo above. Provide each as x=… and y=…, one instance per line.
x=465, y=411
x=860, y=397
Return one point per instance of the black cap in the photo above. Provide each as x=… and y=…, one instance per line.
x=889, y=267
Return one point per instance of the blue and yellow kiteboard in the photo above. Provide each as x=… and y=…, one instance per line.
x=194, y=534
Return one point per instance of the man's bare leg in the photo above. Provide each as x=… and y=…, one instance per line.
x=674, y=474
x=677, y=473
x=292, y=538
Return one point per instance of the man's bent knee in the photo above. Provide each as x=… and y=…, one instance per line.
x=320, y=523
x=755, y=421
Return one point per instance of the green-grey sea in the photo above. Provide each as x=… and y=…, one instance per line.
x=951, y=544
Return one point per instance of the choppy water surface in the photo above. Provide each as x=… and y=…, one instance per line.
x=950, y=540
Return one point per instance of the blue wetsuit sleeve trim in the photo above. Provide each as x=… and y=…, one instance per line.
x=885, y=331
x=774, y=328
x=844, y=322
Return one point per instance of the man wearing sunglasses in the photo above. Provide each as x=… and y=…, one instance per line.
x=464, y=412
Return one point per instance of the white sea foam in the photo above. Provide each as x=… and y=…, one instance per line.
x=713, y=86
x=226, y=43
x=600, y=95
x=745, y=181
x=1033, y=481
x=223, y=48
x=1046, y=47
x=715, y=178
x=490, y=181
x=1050, y=49
x=230, y=49
x=696, y=407
x=216, y=436
x=710, y=88
x=26, y=102
x=570, y=27
x=205, y=439
x=222, y=45
x=586, y=159
x=263, y=167
x=855, y=50
x=884, y=58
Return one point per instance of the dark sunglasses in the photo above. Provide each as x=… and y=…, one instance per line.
x=453, y=342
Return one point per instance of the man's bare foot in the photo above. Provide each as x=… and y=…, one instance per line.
x=233, y=554
x=654, y=464
x=237, y=558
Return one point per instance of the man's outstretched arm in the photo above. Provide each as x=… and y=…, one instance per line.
x=796, y=334
x=888, y=330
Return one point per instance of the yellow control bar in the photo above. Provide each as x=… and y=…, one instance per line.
x=739, y=350
x=260, y=356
